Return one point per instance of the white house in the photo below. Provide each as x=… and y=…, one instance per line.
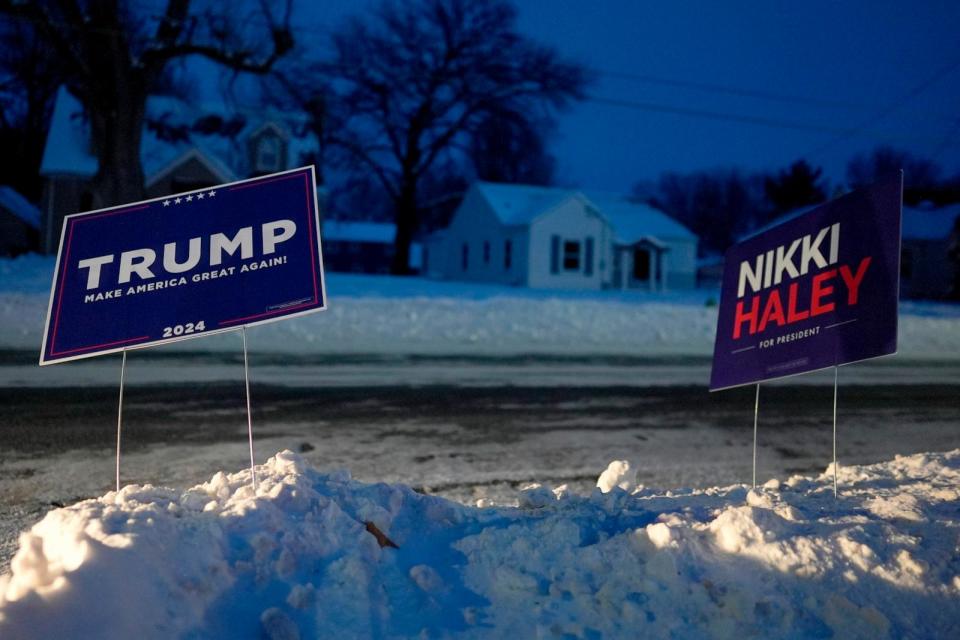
x=653, y=251
x=548, y=237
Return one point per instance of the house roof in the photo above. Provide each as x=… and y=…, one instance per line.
x=920, y=223
x=372, y=232
x=633, y=221
x=348, y=231
x=519, y=204
x=68, y=152
x=19, y=206
x=516, y=204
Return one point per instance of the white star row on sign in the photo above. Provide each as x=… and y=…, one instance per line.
x=198, y=196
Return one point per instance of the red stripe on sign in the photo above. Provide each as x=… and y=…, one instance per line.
x=106, y=344
x=313, y=258
x=63, y=278
x=66, y=265
x=113, y=213
x=310, y=214
x=268, y=313
x=260, y=182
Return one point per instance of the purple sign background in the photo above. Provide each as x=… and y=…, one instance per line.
x=817, y=291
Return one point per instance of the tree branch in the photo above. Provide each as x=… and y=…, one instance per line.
x=363, y=154
x=170, y=31
x=37, y=15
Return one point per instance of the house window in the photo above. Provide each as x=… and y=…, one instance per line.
x=268, y=153
x=588, y=258
x=486, y=252
x=571, y=255
x=507, y=254
x=464, y=256
x=641, y=264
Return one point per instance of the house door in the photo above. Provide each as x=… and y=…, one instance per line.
x=641, y=265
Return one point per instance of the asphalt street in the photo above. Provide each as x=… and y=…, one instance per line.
x=468, y=443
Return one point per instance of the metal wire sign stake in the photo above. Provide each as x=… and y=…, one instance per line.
x=123, y=370
x=835, y=374
x=246, y=377
x=756, y=414
x=205, y=261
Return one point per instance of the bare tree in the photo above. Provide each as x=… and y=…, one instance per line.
x=921, y=176
x=800, y=185
x=508, y=147
x=114, y=52
x=718, y=205
x=296, y=86
x=29, y=76
x=414, y=80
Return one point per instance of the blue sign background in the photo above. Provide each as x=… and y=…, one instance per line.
x=291, y=283
x=869, y=227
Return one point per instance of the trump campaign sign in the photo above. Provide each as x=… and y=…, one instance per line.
x=185, y=266
x=817, y=291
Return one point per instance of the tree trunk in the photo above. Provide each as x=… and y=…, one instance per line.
x=406, y=219
x=117, y=128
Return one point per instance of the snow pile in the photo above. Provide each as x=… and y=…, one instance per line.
x=299, y=559
x=617, y=474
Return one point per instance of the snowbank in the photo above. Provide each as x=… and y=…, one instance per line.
x=298, y=560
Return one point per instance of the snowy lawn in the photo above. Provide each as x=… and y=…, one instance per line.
x=385, y=315
x=299, y=559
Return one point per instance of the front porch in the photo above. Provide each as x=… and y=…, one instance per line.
x=641, y=265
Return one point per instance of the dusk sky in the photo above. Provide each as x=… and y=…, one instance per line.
x=750, y=84
x=890, y=71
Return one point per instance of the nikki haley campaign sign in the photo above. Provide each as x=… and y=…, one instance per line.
x=185, y=266
x=817, y=291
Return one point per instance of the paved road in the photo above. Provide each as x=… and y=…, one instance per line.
x=57, y=445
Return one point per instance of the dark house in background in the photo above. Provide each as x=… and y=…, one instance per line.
x=362, y=247
x=19, y=223
x=926, y=268
x=184, y=147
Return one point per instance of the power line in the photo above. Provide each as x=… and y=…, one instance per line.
x=741, y=92
x=840, y=133
x=912, y=94
x=730, y=90
x=736, y=117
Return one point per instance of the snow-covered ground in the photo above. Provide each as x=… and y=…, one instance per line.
x=381, y=330
x=297, y=558
x=384, y=315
